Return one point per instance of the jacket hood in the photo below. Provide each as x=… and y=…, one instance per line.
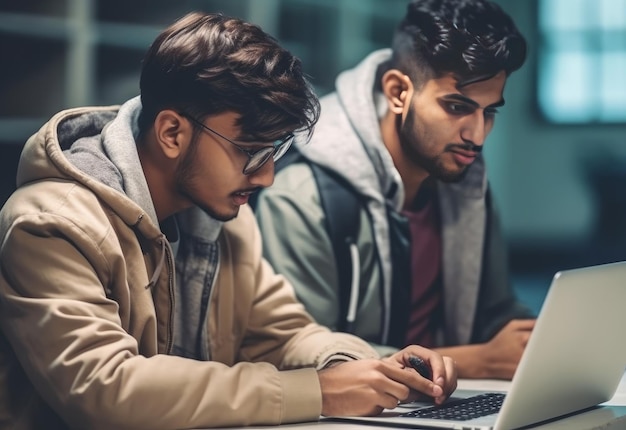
x=347, y=139
x=95, y=147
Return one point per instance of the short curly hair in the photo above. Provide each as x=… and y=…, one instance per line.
x=206, y=64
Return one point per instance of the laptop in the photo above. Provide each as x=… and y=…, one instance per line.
x=574, y=360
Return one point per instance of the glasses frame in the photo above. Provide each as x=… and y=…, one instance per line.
x=256, y=158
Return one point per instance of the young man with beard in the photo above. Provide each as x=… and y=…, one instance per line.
x=404, y=132
x=133, y=293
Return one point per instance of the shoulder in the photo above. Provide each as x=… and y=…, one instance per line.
x=63, y=210
x=294, y=187
x=292, y=178
x=50, y=219
x=59, y=199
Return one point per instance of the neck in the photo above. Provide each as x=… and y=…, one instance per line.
x=158, y=173
x=412, y=176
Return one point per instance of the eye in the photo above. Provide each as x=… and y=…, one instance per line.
x=458, y=108
x=490, y=112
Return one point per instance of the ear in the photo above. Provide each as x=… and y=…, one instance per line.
x=172, y=132
x=398, y=90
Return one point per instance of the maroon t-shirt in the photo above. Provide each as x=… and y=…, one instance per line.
x=425, y=270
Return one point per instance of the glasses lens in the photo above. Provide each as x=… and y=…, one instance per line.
x=258, y=159
x=282, y=146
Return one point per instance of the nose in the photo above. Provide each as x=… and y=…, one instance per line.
x=264, y=177
x=475, y=129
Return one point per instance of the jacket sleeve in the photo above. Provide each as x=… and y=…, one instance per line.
x=497, y=301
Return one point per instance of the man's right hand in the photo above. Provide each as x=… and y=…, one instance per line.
x=366, y=387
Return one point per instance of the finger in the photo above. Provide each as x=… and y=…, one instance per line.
x=434, y=361
x=408, y=377
x=401, y=358
x=438, y=368
x=444, y=375
x=398, y=391
x=421, y=367
x=388, y=382
x=525, y=338
x=451, y=380
x=389, y=401
x=523, y=324
x=393, y=360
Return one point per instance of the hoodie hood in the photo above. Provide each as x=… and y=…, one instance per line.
x=111, y=157
x=96, y=147
x=347, y=139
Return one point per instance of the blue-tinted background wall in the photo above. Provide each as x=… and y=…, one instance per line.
x=559, y=187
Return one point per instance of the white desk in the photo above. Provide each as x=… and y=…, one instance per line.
x=595, y=419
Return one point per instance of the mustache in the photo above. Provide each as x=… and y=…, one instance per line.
x=469, y=146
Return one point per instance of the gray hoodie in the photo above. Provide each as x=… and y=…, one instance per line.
x=347, y=141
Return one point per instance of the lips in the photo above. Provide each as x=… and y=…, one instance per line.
x=242, y=197
x=464, y=158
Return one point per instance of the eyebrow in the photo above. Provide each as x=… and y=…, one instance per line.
x=467, y=100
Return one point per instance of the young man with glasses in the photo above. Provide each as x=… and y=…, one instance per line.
x=404, y=133
x=133, y=293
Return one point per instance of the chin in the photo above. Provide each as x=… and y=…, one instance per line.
x=231, y=216
x=220, y=216
x=225, y=217
x=450, y=177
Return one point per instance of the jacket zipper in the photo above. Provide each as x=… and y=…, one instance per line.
x=170, y=284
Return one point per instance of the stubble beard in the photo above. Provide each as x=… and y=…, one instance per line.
x=184, y=177
x=412, y=142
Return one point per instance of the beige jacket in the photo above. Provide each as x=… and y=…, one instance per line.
x=84, y=339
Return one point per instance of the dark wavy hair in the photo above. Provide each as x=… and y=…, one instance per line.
x=207, y=64
x=472, y=39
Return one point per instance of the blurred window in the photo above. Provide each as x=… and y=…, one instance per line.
x=582, y=61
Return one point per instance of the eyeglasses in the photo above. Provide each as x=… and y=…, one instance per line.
x=256, y=158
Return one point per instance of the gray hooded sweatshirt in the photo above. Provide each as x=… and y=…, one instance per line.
x=478, y=299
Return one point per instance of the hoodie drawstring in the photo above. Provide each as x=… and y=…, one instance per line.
x=354, y=288
x=159, y=268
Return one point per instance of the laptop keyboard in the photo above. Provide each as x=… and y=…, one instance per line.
x=462, y=409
